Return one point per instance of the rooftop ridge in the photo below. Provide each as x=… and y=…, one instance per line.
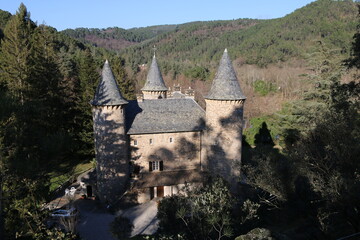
x=225, y=85
x=107, y=92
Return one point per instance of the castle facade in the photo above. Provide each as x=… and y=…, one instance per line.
x=157, y=144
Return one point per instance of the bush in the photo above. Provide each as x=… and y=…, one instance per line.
x=264, y=88
x=121, y=228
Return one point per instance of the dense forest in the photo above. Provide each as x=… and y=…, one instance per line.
x=117, y=38
x=259, y=42
x=300, y=161
x=274, y=58
x=47, y=80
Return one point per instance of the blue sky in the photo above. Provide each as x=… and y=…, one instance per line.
x=63, y=14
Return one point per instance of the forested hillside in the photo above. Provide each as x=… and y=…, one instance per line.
x=256, y=42
x=115, y=38
x=274, y=58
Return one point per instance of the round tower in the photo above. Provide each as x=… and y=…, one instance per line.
x=154, y=87
x=111, y=146
x=224, y=121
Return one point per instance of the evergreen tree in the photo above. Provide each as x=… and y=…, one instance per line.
x=88, y=78
x=16, y=57
x=125, y=83
x=29, y=128
x=354, y=61
x=302, y=115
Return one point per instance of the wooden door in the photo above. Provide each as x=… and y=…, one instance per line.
x=160, y=191
x=151, y=193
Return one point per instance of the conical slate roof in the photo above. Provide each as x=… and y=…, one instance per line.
x=154, y=80
x=225, y=85
x=107, y=92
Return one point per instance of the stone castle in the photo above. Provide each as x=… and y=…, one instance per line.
x=157, y=144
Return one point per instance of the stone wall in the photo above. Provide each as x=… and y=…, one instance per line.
x=154, y=94
x=178, y=151
x=111, y=152
x=144, y=194
x=223, y=138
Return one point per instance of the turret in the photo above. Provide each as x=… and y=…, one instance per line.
x=154, y=87
x=224, y=119
x=112, y=167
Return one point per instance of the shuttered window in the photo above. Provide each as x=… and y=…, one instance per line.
x=156, y=166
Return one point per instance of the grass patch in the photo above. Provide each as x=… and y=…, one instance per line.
x=272, y=124
x=67, y=171
x=264, y=88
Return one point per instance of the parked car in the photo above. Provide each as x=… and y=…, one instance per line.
x=72, y=212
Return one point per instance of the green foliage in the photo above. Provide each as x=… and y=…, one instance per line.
x=16, y=54
x=46, y=84
x=257, y=123
x=198, y=73
x=319, y=173
x=256, y=233
x=264, y=88
x=23, y=199
x=4, y=18
x=354, y=60
x=327, y=156
x=121, y=228
x=131, y=35
x=204, y=213
x=167, y=209
x=257, y=42
x=126, y=84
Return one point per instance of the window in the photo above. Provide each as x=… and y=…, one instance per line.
x=171, y=139
x=135, y=142
x=156, y=166
x=151, y=141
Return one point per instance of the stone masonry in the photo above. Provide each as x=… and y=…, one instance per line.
x=160, y=144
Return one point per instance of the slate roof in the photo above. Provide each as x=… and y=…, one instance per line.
x=225, y=86
x=169, y=178
x=164, y=115
x=107, y=92
x=154, y=80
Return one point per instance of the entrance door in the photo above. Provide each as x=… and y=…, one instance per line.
x=151, y=193
x=89, y=190
x=160, y=191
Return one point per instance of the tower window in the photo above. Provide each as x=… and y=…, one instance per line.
x=135, y=142
x=151, y=141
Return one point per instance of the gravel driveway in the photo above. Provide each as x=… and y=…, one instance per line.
x=94, y=223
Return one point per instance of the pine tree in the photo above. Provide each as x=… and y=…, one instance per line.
x=16, y=60
x=125, y=83
x=88, y=77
